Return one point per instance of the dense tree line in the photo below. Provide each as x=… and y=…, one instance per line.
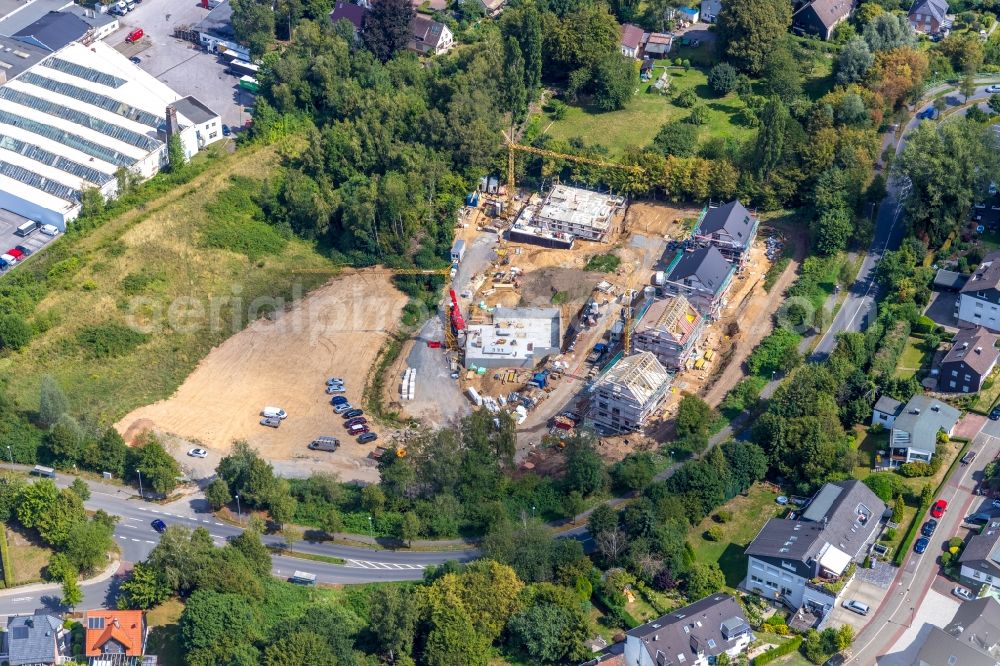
x=236, y=613
x=448, y=482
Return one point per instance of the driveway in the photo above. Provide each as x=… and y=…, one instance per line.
x=863, y=591
x=942, y=309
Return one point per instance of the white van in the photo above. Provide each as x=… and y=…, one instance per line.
x=273, y=412
x=49, y=230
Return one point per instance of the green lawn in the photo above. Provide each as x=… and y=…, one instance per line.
x=164, y=632
x=869, y=444
x=750, y=512
x=913, y=359
x=28, y=558
x=638, y=123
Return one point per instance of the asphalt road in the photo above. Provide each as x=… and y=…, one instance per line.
x=890, y=230
x=899, y=607
x=136, y=539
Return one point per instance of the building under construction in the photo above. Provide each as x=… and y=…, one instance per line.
x=517, y=338
x=629, y=393
x=581, y=213
x=670, y=329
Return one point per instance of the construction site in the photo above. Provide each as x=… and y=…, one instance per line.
x=526, y=328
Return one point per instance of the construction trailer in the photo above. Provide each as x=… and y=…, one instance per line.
x=627, y=394
x=670, y=329
x=517, y=338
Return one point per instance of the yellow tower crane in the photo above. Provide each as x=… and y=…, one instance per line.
x=513, y=147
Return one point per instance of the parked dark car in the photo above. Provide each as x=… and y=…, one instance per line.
x=969, y=457
x=354, y=413
x=995, y=414
x=360, y=420
x=226, y=131
x=367, y=437
x=921, y=544
x=929, y=527
x=978, y=518
x=159, y=526
x=338, y=400
x=25, y=249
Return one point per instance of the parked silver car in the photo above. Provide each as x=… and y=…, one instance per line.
x=856, y=606
x=270, y=421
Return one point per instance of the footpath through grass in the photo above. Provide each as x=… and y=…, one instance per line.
x=140, y=300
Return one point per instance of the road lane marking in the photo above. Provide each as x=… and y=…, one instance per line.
x=382, y=566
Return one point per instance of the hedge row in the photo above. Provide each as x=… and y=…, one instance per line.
x=893, y=342
x=911, y=533
x=780, y=651
x=8, y=571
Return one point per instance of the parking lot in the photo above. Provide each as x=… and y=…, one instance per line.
x=8, y=224
x=180, y=64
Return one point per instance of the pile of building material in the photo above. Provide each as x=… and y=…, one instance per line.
x=408, y=387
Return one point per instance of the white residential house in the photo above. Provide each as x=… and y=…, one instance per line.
x=789, y=557
x=885, y=411
x=915, y=430
x=979, y=298
x=710, y=10
x=694, y=635
x=980, y=559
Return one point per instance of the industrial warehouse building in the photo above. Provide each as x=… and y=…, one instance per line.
x=517, y=338
x=670, y=329
x=71, y=118
x=629, y=393
x=580, y=213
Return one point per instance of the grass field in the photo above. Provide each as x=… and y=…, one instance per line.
x=750, y=512
x=869, y=444
x=164, y=632
x=28, y=558
x=638, y=123
x=913, y=359
x=150, y=268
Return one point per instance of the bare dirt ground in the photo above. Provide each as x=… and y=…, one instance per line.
x=757, y=321
x=336, y=330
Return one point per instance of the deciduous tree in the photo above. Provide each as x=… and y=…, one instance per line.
x=387, y=28
x=751, y=29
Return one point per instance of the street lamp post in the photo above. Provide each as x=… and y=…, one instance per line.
x=371, y=527
x=11, y=453
x=239, y=513
x=140, y=481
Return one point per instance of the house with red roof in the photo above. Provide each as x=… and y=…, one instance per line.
x=115, y=636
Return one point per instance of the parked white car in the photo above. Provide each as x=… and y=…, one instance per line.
x=273, y=413
x=198, y=453
x=49, y=230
